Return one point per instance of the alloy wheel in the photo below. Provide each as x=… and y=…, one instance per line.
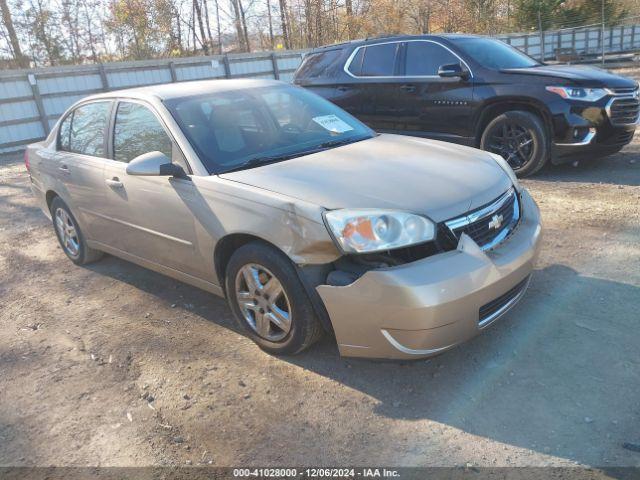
x=514, y=142
x=67, y=232
x=263, y=302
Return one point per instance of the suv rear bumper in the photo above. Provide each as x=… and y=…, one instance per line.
x=426, y=307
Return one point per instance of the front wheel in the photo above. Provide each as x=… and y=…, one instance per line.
x=269, y=301
x=520, y=138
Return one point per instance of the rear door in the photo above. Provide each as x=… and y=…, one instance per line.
x=427, y=104
x=81, y=159
x=151, y=217
x=372, y=92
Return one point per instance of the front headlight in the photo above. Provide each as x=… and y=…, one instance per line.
x=578, y=93
x=373, y=230
x=507, y=169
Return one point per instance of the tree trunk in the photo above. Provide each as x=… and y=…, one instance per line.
x=349, y=7
x=238, y=24
x=244, y=26
x=283, y=21
x=270, y=24
x=206, y=17
x=203, y=37
x=218, y=28
x=19, y=58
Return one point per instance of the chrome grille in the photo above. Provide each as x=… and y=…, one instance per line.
x=623, y=110
x=624, y=90
x=489, y=225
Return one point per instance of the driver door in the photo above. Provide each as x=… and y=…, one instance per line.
x=150, y=216
x=431, y=106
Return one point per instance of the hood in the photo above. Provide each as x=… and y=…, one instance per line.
x=583, y=75
x=429, y=177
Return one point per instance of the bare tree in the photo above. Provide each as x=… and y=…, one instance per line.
x=283, y=21
x=203, y=37
x=7, y=20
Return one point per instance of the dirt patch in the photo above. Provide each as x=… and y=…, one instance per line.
x=115, y=365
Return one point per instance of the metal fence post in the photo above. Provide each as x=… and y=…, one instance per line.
x=227, y=66
x=172, y=71
x=103, y=77
x=276, y=70
x=602, y=33
x=541, y=37
x=31, y=78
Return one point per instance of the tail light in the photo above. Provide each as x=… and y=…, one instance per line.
x=26, y=160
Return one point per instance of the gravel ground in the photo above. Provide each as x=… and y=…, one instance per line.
x=114, y=365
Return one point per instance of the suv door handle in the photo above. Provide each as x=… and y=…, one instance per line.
x=343, y=88
x=408, y=88
x=114, y=182
x=63, y=168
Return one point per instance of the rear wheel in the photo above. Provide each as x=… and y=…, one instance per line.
x=70, y=236
x=520, y=138
x=269, y=301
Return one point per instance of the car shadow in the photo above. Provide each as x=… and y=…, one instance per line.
x=620, y=169
x=558, y=373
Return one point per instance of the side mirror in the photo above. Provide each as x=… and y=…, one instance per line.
x=154, y=164
x=453, y=70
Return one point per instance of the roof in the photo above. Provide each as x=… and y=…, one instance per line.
x=365, y=41
x=186, y=89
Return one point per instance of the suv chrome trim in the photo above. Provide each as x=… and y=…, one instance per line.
x=585, y=141
x=461, y=222
x=387, y=77
x=607, y=108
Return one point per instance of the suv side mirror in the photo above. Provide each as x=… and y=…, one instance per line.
x=453, y=70
x=154, y=164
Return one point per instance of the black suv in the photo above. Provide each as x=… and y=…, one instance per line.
x=480, y=92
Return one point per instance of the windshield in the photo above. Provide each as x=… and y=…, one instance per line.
x=233, y=130
x=494, y=54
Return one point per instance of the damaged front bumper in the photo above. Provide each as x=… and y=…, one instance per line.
x=425, y=307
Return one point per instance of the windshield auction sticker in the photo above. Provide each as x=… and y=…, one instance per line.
x=332, y=123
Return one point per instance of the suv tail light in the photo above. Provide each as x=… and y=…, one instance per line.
x=26, y=160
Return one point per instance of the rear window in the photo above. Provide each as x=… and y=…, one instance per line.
x=319, y=65
x=375, y=60
x=88, y=129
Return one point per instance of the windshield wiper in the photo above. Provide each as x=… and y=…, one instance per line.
x=258, y=162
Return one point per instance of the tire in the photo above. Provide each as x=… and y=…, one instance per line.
x=263, y=263
x=75, y=247
x=526, y=159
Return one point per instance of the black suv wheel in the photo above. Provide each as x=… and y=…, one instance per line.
x=521, y=139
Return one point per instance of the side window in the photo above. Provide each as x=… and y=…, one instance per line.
x=138, y=131
x=424, y=58
x=64, y=133
x=356, y=62
x=319, y=65
x=88, y=129
x=379, y=60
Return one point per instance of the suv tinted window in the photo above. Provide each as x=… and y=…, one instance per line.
x=88, y=129
x=379, y=60
x=138, y=131
x=424, y=58
x=319, y=65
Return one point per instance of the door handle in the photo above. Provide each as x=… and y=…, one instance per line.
x=343, y=89
x=114, y=182
x=63, y=168
x=408, y=88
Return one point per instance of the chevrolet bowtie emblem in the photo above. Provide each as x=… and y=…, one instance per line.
x=496, y=222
